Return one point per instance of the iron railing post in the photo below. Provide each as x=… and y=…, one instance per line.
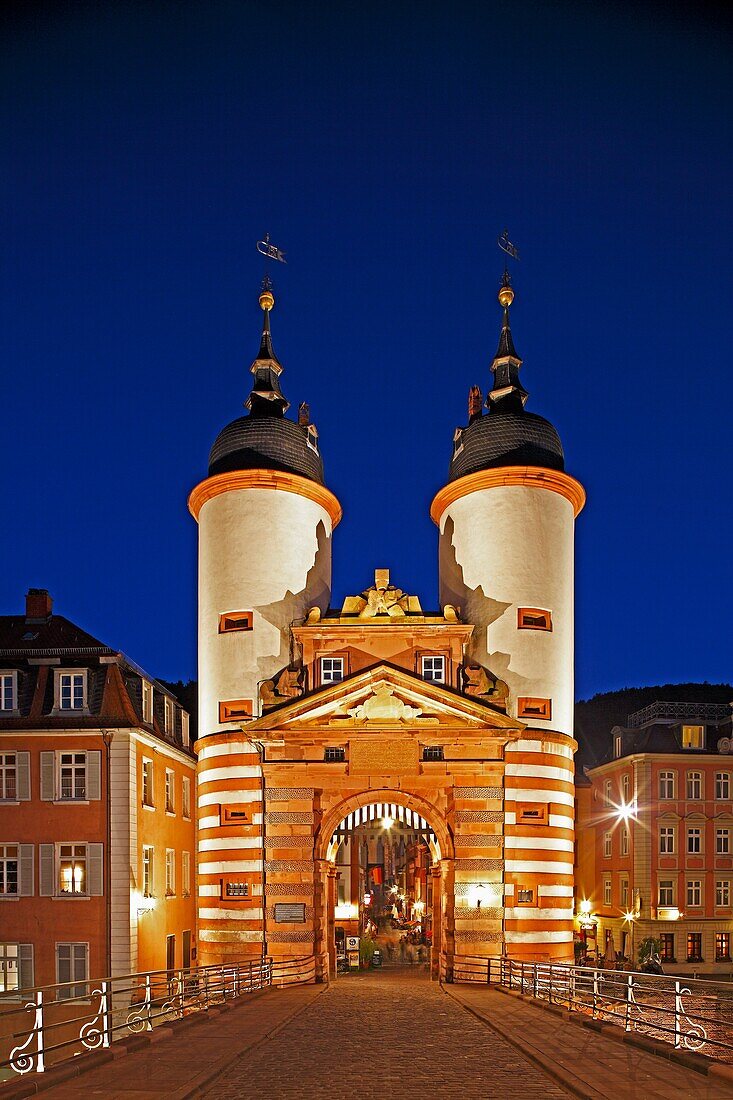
x=677, y=1014
x=181, y=993
x=629, y=1001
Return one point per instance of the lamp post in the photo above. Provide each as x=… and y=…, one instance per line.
x=626, y=814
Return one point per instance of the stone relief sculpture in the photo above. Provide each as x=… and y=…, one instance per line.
x=479, y=683
x=286, y=685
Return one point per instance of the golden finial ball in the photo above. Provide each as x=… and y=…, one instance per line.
x=267, y=299
x=506, y=296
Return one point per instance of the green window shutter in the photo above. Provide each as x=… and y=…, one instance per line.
x=48, y=776
x=95, y=867
x=23, y=776
x=94, y=775
x=46, y=877
x=25, y=967
x=25, y=867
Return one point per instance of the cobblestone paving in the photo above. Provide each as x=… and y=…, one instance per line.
x=383, y=1035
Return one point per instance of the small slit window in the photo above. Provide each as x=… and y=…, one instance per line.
x=232, y=621
x=525, y=895
x=534, y=618
x=534, y=708
x=532, y=813
x=433, y=752
x=234, y=710
x=335, y=755
x=233, y=814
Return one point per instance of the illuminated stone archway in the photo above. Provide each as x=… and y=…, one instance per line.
x=442, y=853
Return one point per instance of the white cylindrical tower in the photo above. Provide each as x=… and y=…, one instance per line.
x=265, y=524
x=506, y=558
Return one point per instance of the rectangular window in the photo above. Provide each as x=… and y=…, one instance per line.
x=170, y=872
x=624, y=842
x=72, y=869
x=624, y=893
x=607, y=845
x=71, y=690
x=8, y=776
x=147, y=702
x=433, y=752
x=607, y=789
x=525, y=895
x=232, y=621
x=531, y=813
x=534, y=618
x=9, y=967
x=185, y=734
x=72, y=775
x=666, y=784
x=334, y=755
x=694, y=785
x=694, y=893
x=433, y=669
x=694, y=842
x=170, y=785
x=534, y=708
x=332, y=670
x=693, y=737
x=186, y=874
x=666, y=840
x=186, y=797
x=168, y=715
x=722, y=893
x=148, y=871
x=9, y=870
x=666, y=892
x=626, y=788
x=617, y=745
x=235, y=710
x=694, y=947
x=606, y=891
x=72, y=965
x=148, y=783
x=666, y=952
x=722, y=946
x=722, y=786
x=722, y=842
x=8, y=691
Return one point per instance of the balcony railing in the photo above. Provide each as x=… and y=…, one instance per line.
x=42, y=1027
x=687, y=1013
x=710, y=712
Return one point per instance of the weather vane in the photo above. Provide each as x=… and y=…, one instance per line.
x=511, y=250
x=270, y=252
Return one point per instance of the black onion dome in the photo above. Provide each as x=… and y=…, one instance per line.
x=506, y=439
x=265, y=439
x=266, y=443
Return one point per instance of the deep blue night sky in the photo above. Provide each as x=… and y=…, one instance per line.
x=384, y=147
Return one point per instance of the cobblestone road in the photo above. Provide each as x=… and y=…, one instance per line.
x=381, y=1035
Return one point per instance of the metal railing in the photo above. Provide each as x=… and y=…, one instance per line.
x=44, y=1026
x=688, y=1013
x=713, y=712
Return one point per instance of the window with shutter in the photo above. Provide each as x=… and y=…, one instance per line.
x=9, y=776
x=23, y=776
x=94, y=775
x=25, y=864
x=95, y=864
x=9, y=969
x=46, y=853
x=9, y=870
x=25, y=961
x=48, y=776
x=72, y=966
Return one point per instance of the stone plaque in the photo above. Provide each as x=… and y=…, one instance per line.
x=369, y=757
x=290, y=912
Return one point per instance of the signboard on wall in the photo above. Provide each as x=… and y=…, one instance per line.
x=290, y=912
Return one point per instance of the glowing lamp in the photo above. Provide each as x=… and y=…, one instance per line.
x=585, y=908
x=387, y=822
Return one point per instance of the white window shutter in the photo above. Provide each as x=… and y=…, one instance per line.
x=48, y=776
x=25, y=976
x=23, y=776
x=47, y=876
x=25, y=878
x=94, y=775
x=95, y=860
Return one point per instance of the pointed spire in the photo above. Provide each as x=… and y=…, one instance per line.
x=266, y=398
x=507, y=393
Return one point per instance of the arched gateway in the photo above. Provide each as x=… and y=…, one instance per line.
x=308, y=714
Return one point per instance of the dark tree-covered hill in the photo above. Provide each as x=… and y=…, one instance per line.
x=596, y=717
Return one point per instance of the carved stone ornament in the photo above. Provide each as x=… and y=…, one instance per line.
x=725, y=745
x=286, y=685
x=383, y=706
x=480, y=684
x=381, y=599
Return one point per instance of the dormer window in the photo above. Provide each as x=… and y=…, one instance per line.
x=693, y=737
x=312, y=437
x=168, y=715
x=8, y=691
x=147, y=702
x=332, y=670
x=617, y=745
x=433, y=668
x=71, y=690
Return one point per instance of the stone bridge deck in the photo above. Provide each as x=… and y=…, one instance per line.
x=383, y=1034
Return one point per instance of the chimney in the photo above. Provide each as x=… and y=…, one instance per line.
x=38, y=605
x=304, y=414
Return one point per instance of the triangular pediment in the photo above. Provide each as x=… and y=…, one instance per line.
x=385, y=697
